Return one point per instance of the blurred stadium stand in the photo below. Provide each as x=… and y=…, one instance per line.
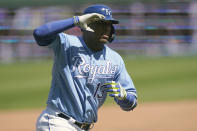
x=144, y=29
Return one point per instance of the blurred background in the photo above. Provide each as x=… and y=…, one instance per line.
x=147, y=29
x=156, y=38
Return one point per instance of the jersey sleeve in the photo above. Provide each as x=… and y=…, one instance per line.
x=60, y=43
x=48, y=33
x=126, y=82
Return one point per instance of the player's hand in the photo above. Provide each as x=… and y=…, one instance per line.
x=115, y=90
x=86, y=19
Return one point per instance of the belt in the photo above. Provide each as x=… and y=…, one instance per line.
x=84, y=126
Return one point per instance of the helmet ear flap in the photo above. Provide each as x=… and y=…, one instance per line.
x=112, y=34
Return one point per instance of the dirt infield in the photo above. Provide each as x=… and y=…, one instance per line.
x=166, y=116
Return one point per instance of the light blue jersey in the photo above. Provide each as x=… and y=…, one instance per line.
x=78, y=75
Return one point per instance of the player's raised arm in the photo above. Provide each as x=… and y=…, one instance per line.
x=48, y=32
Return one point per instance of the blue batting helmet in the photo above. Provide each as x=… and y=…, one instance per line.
x=101, y=9
x=107, y=12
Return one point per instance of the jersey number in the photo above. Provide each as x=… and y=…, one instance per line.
x=99, y=91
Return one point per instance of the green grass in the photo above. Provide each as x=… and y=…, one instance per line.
x=26, y=84
x=163, y=79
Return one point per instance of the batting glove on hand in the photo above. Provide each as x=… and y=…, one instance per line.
x=116, y=90
x=84, y=20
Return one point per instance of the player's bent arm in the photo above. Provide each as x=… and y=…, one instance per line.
x=127, y=89
x=129, y=103
x=126, y=99
x=47, y=33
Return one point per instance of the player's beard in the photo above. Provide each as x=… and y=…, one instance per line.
x=95, y=41
x=100, y=41
x=104, y=39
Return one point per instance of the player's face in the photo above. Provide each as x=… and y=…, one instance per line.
x=102, y=31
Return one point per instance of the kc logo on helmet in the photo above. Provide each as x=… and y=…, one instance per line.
x=107, y=11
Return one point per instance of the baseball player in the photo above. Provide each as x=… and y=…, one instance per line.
x=85, y=70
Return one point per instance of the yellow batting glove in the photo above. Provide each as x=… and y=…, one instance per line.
x=115, y=90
